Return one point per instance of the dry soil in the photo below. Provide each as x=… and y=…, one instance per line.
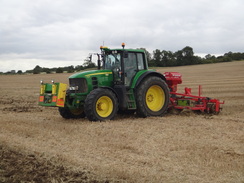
x=38, y=145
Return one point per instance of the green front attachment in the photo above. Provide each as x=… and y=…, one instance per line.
x=52, y=95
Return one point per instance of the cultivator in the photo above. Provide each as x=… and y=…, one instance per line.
x=186, y=100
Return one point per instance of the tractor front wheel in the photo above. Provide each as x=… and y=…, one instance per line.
x=101, y=104
x=67, y=113
x=152, y=97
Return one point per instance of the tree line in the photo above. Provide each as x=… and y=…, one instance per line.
x=69, y=69
x=159, y=58
x=186, y=57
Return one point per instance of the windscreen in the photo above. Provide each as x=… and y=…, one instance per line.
x=112, y=61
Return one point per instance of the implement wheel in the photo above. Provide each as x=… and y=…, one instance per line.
x=67, y=113
x=152, y=97
x=101, y=104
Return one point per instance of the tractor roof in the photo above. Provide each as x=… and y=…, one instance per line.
x=121, y=49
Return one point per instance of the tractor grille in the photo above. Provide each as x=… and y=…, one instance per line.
x=78, y=85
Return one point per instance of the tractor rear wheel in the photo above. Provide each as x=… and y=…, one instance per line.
x=67, y=113
x=101, y=104
x=152, y=97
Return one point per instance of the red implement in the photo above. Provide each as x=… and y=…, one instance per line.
x=187, y=100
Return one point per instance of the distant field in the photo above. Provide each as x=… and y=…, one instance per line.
x=174, y=148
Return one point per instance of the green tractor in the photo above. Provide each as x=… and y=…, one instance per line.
x=122, y=83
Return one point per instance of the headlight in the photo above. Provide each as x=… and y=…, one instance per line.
x=73, y=88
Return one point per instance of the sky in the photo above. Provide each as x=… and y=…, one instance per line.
x=61, y=33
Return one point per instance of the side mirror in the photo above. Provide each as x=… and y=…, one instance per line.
x=98, y=62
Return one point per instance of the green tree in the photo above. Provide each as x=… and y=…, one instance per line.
x=19, y=72
x=59, y=70
x=71, y=69
x=179, y=58
x=157, y=54
x=234, y=56
x=79, y=68
x=167, y=58
x=148, y=55
x=47, y=70
x=88, y=63
x=37, y=70
x=188, y=56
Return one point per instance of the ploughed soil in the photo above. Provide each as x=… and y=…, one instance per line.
x=18, y=167
x=38, y=145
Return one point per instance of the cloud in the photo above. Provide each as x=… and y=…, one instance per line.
x=67, y=31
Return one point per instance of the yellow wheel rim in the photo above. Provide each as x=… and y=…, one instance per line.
x=104, y=106
x=155, y=98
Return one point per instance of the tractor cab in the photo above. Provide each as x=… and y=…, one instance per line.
x=124, y=63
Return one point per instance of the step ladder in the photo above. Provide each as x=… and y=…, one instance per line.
x=131, y=102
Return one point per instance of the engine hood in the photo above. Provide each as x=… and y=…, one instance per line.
x=91, y=73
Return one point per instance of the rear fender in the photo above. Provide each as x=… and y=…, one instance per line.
x=141, y=76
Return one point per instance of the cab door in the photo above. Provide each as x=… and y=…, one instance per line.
x=132, y=64
x=113, y=62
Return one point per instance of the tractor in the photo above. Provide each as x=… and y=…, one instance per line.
x=122, y=83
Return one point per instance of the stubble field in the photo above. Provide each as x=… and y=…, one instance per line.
x=38, y=145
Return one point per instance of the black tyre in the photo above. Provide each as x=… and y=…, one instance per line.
x=101, y=104
x=69, y=114
x=152, y=97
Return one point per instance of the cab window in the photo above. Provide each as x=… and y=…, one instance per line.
x=131, y=67
x=112, y=61
x=140, y=61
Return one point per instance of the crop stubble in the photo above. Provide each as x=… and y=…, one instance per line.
x=173, y=148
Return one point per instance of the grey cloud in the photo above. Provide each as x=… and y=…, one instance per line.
x=58, y=30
